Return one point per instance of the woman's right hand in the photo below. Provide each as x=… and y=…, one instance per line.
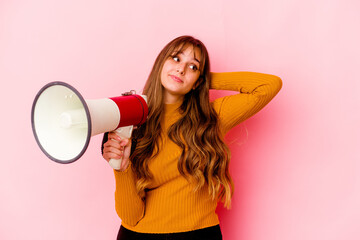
x=117, y=148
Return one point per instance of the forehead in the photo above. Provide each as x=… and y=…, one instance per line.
x=189, y=49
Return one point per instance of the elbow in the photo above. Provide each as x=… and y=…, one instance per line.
x=274, y=86
x=276, y=83
x=280, y=83
x=270, y=89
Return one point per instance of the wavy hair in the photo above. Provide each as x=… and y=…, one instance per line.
x=205, y=157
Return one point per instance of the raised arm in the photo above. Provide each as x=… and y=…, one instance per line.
x=255, y=90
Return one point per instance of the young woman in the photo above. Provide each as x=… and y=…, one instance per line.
x=176, y=167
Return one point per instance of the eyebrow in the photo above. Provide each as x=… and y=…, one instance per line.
x=181, y=52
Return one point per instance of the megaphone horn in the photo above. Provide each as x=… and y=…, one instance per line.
x=63, y=121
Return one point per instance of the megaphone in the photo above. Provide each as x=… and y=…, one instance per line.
x=63, y=121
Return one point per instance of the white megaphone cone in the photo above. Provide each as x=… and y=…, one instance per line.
x=63, y=122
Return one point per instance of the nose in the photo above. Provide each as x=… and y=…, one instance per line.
x=181, y=68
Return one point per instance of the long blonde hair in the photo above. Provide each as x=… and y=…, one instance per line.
x=205, y=157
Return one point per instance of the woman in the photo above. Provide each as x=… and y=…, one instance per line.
x=178, y=169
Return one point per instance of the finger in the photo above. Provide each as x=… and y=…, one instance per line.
x=112, y=143
x=114, y=136
x=125, y=142
x=118, y=151
x=110, y=155
x=127, y=151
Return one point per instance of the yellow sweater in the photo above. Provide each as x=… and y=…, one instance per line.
x=172, y=205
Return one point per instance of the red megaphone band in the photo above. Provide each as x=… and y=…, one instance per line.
x=133, y=110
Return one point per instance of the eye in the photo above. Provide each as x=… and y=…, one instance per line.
x=193, y=67
x=176, y=58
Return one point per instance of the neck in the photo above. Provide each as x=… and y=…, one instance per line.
x=171, y=99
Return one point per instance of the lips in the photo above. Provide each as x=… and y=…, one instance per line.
x=176, y=79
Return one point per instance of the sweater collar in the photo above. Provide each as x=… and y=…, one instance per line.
x=171, y=107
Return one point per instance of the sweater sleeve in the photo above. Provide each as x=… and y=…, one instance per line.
x=255, y=90
x=128, y=204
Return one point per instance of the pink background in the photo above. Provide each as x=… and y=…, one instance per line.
x=295, y=164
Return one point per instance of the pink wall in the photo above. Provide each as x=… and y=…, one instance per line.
x=295, y=164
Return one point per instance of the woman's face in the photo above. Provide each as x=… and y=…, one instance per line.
x=180, y=73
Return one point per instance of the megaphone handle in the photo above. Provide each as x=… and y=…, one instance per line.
x=122, y=132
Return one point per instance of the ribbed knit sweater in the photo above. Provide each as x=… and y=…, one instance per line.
x=171, y=204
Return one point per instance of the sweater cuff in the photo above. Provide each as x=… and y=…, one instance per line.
x=124, y=171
